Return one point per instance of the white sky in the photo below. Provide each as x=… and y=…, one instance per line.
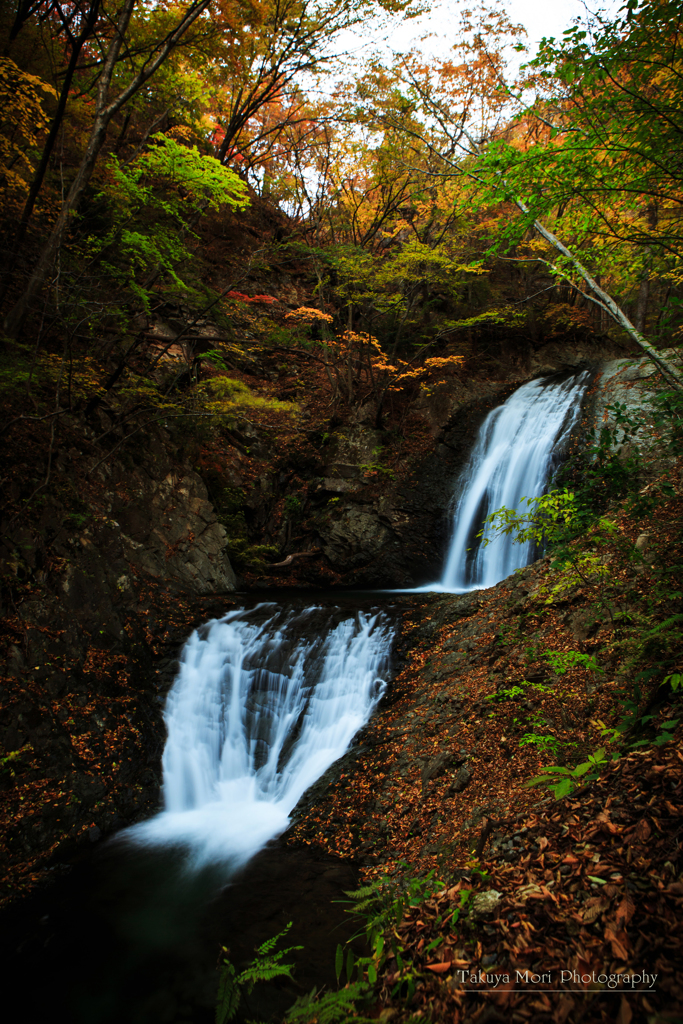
x=539, y=17
x=548, y=17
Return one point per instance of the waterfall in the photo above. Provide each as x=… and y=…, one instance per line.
x=517, y=450
x=266, y=699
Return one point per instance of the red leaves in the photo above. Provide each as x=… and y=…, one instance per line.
x=240, y=297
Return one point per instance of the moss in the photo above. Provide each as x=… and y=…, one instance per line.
x=250, y=556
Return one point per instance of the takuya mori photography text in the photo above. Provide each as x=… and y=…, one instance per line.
x=557, y=981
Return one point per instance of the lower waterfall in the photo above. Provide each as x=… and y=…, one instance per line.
x=266, y=699
x=517, y=450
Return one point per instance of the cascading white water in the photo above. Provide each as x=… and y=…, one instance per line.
x=514, y=457
x=265, y=701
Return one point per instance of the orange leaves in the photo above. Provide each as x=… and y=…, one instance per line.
x=619, y=943
x=625, y=911
x=308, y=314
x=441, y=362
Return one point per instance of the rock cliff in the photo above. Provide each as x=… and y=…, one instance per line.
x=105, y=579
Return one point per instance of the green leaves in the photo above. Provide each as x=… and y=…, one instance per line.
x=675, y=681
x=566, y=783
x=331, y=1008
x=562, y=661
x=204, y=181
x=229, y=995
x=153, y=204
x=595, y=160
x=548, y=519
x=265, y=966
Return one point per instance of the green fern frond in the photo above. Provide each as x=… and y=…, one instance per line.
x=271, y=943
x=331, y=1008
x=228, y=994
x=362, y=893
x=265, y=966
x=665, y=624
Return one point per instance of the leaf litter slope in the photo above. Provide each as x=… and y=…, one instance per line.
x=590, y=884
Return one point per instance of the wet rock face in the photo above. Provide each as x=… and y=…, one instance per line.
x=631, y=384
x=355, y=537
x=169, y=530
x=382, y=526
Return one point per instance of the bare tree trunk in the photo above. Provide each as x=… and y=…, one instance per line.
x=606, y=302
x=17, y=316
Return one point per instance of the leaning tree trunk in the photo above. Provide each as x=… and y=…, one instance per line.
x=17, y=316
x=603, y=298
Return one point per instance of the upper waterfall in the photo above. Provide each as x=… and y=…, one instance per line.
x=518, y=448
x=266, y=699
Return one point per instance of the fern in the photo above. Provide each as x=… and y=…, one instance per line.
x=228, y=993
x=359, y=894
x=331, y=1008
x=265, y=966
x=664, y=625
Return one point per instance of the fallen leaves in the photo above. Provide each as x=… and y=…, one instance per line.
x=590, y=883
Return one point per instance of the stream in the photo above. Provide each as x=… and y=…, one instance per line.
x=266, y=699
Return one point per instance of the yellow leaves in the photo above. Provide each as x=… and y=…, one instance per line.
x=439, y=362
x=13, y=80
x=307, y=314
x=22, y=119
x=223, y=396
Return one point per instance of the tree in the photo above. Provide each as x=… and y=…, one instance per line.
x=23, y=117
x=600, y=143
x=77, y=25
x=175, y=183
x=106, y=107
x=262, y=52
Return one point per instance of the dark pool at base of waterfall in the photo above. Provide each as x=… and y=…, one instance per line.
x=130, y=939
